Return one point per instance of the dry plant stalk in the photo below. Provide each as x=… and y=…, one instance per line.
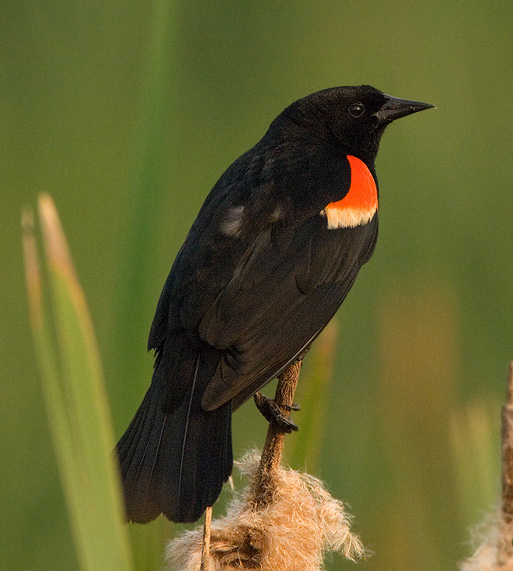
x=273, y=448
x=505, y=547
x=283, y=519
x=496, y=550
x=205, y=547
x=507, y=451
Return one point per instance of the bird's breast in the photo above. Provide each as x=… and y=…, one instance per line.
x=360, y=203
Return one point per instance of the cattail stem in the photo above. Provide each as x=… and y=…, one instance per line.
x=205, y=548
x=507, y=451
x=504, y=551
x=263, y=487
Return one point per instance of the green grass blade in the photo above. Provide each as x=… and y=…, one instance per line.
x=76, y=401
x=148, y=193
x=139, y=275
x=52, y=389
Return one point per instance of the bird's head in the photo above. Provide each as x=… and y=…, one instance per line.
x=352, y=117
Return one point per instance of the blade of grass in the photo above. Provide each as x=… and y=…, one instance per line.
x=76, y=401
x=148, y=193
x=149, y=190
x=87, y=401
x=52, y=389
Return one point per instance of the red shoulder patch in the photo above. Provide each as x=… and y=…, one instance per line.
x=361, y=202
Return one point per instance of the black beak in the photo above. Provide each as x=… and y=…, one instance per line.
x=395, y=108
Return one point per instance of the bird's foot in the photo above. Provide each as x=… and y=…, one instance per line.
x=272, y=412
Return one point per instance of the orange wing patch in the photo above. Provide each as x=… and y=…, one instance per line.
x=361, y=202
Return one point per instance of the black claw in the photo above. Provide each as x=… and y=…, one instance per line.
x=272, y=412
x=286, y=424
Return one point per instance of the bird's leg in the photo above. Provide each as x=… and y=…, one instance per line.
x=259, y=398
x=276, y=410
x=273, y=414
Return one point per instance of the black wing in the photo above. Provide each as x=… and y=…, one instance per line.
x=260, y=295
x=282, y=294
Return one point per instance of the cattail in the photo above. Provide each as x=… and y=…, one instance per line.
x=495, y=552
x=297, y=526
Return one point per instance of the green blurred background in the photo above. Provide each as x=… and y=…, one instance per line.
x=128, y=112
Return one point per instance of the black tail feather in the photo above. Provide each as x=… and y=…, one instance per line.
x=175, y=462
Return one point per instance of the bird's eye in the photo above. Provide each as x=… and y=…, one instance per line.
x=356, y=109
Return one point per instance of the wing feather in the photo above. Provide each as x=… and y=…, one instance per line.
x=276, y=317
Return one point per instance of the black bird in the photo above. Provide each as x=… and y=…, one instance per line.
x=271, y=256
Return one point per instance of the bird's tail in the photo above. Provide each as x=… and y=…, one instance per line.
x=175, y=462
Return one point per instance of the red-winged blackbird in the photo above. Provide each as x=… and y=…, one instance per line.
x=271, y=256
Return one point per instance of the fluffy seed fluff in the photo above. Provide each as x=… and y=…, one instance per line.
x=300, y=524
x=495, y=551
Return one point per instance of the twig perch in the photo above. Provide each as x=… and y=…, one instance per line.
x=273, y=448
x=507, y=450
x=505, y=550
x=205, y=548
x=264, y=480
